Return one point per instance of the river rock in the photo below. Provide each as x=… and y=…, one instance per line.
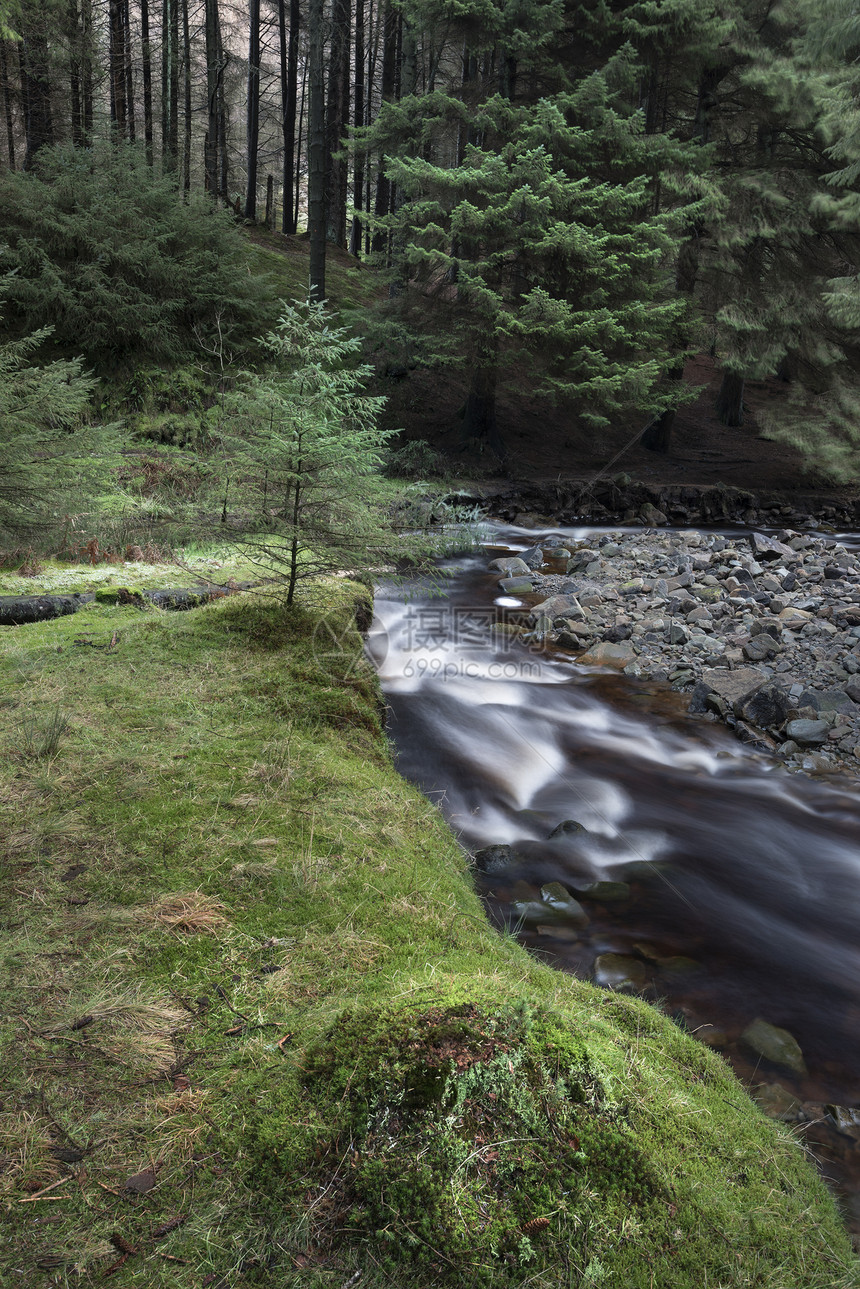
x=607, y=654
x=808, y=733
x=560, y=900
x=511, y=566
x=777, y=1102
x=516, y=585
x=557, y=606
x=494, y=859
x=793, y=619
x=774, y=1044
x=533, y=557
x=768, y=548
x=732, y=685
x=768, y=706
x=605, y=892
x=621, y=972
x=567, y=828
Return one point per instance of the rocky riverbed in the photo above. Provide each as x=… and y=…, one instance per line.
x=763, y=632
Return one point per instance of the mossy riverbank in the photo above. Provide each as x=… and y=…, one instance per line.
x=257, y=1029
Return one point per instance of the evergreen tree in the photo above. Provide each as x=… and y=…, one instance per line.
x=305, y=442
x=543, y=243
x=51, y=460
x=104, y=250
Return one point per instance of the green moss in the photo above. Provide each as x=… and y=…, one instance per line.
x=377, y=1080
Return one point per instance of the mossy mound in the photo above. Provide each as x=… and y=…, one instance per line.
x=481, y=1145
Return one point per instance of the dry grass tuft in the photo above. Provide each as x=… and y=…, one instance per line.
x=25, y=1164
x=191, y=912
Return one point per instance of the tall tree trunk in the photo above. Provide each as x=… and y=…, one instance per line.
x=316, y=151
x=129, y=72
x=480, y=428
x=299, y=137
x=170, y=84
x=253, y=118
x=36, y=95
x=116, y=68
x=337, y=118
x=174, y=82
x=381, y=239
x=358, y=122
x=270, y=201
x=74, y=38
x=729, y=406
x=146, y=64
x=289, y=96
x=223, y=155
x=186, y=82
x=7, y=105
x=87, y=68
x=213, y=76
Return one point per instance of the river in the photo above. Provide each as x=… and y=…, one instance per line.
x=744, y=880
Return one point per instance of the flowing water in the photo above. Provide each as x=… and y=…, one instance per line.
x=744, y=880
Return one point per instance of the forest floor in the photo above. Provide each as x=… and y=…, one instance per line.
x=545, y=444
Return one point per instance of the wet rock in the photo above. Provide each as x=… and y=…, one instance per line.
x=808, y=733
x=768, y=706
x=777, y=1102
x=621, y=972
x=510, y=567
x=568, y=828
x=774, y=1044
x=560, y=900
x=605, y=892
x=494, y=859
x=651, y=515
x=846, y=1119
x=516, y=585
x=607, y=654
x=533, y=557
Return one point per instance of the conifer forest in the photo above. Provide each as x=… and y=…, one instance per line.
x=586, y=192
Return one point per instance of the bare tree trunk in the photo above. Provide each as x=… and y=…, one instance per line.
x=146, y=62
x=299, y=137
x=74, y=38
x=316, y=152
x=289, y=96
x=213, y=74
x=270, y=200
x=337, y=118
x=729, y=406
x=36, y=95
x=87, y=69
x=116, y=67
x=224, y=156
x=382, y=207
x=253, y=117
x=7, y=106
x=358, y=122
x=186, y=80
x=129, y=72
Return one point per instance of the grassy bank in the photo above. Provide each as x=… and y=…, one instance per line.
x=257, y=1030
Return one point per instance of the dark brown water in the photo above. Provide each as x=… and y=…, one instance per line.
x=750, y=874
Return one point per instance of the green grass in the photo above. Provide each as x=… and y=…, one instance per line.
x=244, y=960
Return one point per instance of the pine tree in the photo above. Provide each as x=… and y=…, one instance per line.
x=304, y=439
x=51, y=460
x=542, y=245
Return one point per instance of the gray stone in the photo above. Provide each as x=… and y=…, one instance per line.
x=768, y=548
x=808, y=733
x=761, y=647
x=606, y=654
x=777, y=1102
x=621, y=972
x=509, y=566
x=605, y=892
x=557, y=606
x=769, y=706
x=533, y=557
x=732, y=685
x=516, y=585
x=774, y=1044
x=651, y=515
